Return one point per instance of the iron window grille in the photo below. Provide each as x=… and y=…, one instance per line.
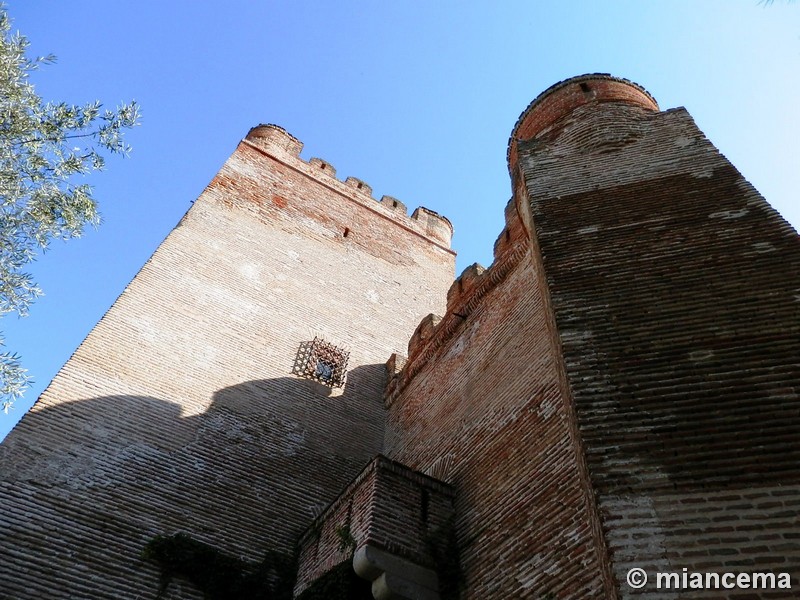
x=322, y=361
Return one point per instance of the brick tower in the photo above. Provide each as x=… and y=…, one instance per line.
x=618, y=389
x=673, y=286
x=232, y=390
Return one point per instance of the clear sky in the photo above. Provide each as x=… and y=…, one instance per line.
x=416, y=98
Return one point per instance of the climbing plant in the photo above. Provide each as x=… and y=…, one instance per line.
x=347, y=543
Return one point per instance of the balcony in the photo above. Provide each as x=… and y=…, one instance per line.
x=388, y=522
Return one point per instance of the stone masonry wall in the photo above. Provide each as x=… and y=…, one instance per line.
x=674, y=287
x=180, y=412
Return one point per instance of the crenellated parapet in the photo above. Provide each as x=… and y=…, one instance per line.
x=323, y=166
x=278, y=144
x=464, y=296
x=272, y=138
x=394, y=204
x=357, y=184
x=560, y=100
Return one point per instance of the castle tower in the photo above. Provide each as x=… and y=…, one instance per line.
x=619, y=388
x=232, y=390
x=673, y=286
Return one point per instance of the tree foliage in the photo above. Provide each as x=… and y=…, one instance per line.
x=45, y=150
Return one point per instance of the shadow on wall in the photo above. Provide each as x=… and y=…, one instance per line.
x=85, y=485
x=681, y=333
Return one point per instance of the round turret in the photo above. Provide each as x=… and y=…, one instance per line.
x=561, y=99
x=274, y=137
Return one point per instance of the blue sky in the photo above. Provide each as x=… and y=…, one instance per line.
x=415, y=98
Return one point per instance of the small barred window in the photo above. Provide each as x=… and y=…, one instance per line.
x=322, y=361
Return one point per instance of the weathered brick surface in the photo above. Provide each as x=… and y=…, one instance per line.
x=179, y=412
x=480, y=404
x=619, y=388
x=674, y=287
x=563, y=98
x=387, y=506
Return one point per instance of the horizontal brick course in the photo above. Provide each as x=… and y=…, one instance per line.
x=619, y=389
x=179, y=412
x=388, y=507
x=673, y=287
x=487, y=403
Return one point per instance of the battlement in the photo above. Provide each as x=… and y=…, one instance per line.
x=277, y=143
x=323, y=166
x=463, y=297
x=275, y=138
x=394, y=204
x=617, y=390
x=561, y=99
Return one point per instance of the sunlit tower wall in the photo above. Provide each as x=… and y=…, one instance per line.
x=209, y=399
x=674, y=287
x=619, y=388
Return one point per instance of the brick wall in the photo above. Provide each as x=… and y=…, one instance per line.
x=180, y=412
x=388, y=507
x=480, y=404
x=619, y=388
x=674, y=288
